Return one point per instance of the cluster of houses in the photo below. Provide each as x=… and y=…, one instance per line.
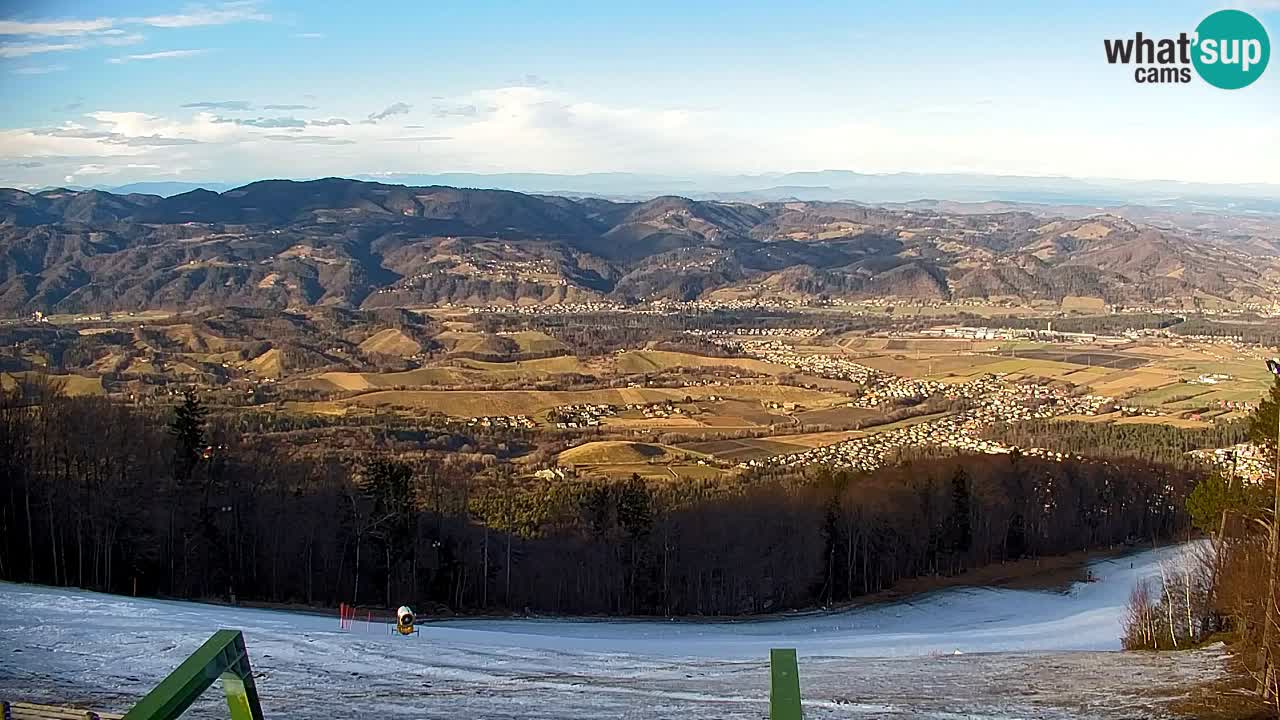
x=896, y=302
x=1246, y=461
x=994, y=401
x=589, y=415
x=584, y=415
x=658, y=410
x=881, y=388
x=574, y=308
x=1238, y=405
x=1263, y=309
x=765, y=303
x=798, y=332
x=966, y=332
x=502, y=422
x=659, y=306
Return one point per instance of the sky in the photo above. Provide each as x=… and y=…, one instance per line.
x=106, y=93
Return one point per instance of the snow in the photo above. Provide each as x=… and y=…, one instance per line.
x=965, y=652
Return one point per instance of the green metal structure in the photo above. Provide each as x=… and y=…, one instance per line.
x=784, y=685
x=222, y=656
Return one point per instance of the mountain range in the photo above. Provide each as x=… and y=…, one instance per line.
x=359, y=244
x=826, y=185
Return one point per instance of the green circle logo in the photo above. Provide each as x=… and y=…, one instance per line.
x=1232, y=49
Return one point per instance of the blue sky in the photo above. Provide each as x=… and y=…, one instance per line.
x=114, y=92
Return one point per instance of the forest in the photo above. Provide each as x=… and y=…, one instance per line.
x=1226, y=589
x=177, y=502
x=1149, y=442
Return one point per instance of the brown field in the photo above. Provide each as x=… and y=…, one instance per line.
x=532, y=341
x=840, y=415
x=1121, y=383
x=268, y=364
x=743, y=449
x=542, y=366
x=679, y=422
x=676, y=472
x=391, y=342
x=643, y=361
x=1088, y=375
x=1084, y=304
x=1027, y=367
x=467, y=371
x=471, y=342
x=73, y=385
x=469, y=403
x=621, y=459
x=1117, y=419
x=368, y=381
x=618, y=452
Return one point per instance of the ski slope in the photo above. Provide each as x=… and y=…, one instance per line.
x=973, y=653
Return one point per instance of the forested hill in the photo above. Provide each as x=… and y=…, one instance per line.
x=361, y=244
x=179, y=503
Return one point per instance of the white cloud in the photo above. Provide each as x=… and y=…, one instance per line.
x=121, y=39
x=232, y=105
x=202, y=15
x=310, y=36
x=16, y=50
x=110, y=32
x=55, y=27
x=38, y=69
x=90, y=170
x=203, y=127
x=162, y=55
x=537, y=129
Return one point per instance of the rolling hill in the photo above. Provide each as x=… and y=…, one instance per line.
x=351, y=244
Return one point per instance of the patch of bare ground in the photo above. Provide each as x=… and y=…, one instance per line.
x=1230, y=697
x=1049, y=574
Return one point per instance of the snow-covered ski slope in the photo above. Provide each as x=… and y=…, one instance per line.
x=971, y=653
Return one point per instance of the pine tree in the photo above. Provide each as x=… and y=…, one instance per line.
x=961, y=521
x=187, y=429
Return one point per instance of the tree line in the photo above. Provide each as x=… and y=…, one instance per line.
x=1228, y=587
x=176, y=502
x=1148, y=442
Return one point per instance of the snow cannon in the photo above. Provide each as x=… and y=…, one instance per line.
x=404, y=620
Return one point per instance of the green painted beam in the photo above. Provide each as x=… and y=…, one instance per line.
x=222, y=656
x=784, y=685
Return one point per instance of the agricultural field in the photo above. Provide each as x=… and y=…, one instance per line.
x=73, y=385
x=391, y=342
x=644, y=361
x=470, y=403
x=1090, y=358
x=1146, y=370
x=464, y=372
x=613, y=458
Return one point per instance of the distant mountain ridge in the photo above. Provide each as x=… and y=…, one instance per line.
x=356, y=244
x=824, y=185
